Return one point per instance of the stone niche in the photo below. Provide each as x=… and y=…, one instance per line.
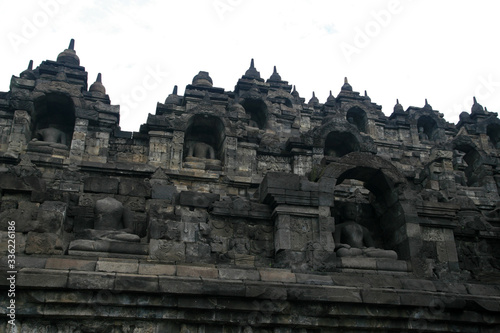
x=52, y=122
x=338, y=144
x=493, y=132
x=427, y=128
x=204, y=143
x=357, y=117
x=256, y=109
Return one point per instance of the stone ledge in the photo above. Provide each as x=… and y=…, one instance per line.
x=73, y=264
x=113, y=274
x=91, y=280
x=117, y=265
x=277, y=275
x=136, y=282
x=45, y=278
x=196, y=271
x=157, y=269
x=239, y=274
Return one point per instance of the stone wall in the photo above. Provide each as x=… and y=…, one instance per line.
x=246, y=210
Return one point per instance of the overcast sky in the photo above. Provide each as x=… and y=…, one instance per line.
x=445, y=51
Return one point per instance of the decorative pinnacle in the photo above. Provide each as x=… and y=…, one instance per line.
x=474, y=99
x=175, y=90
x=30, y=65
x=314, y=95
x=345, y=80
x=71, y=44
x=366, y=95
x=274, y=71
x=98, y=78
x=331, y=93
x=397, y=100
x=252, y=64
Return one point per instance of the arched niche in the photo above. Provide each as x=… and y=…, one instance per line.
x=493, y=132
x=53, y=116
x=338, y=144
x=204, y=140
x=377, y=200
x=427, y=128
x=357, y=117
x=468, y=159
x=257, y=110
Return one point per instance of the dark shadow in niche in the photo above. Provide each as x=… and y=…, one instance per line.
x=338, y=144
x=257, y=110
x=357, y=117
x=468, y=159
x=53, y=121
x=371, y=218
x=493, y=132
x=426, y=128
x=203, y=143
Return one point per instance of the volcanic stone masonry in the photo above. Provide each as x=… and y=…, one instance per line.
x=245, y=211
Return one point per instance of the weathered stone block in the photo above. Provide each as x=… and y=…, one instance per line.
x=372, y=296
x=325, y=293
x=101, y=185
x=74, y=264
x=157, y=269
x=161, y=229
x=132, y=187
x=239, y=274
x=277, y=275
x=180, y=285
x=196, y=199
x=196, y=271
x=268, y=290
x=44, y=243
x=135, y=282
x=28, y=183
x=117, y=265
x=392, y=265
x=224, y=288
x=198, y=253
x=91, y=280
x=165, y=192
x=313, y=279
x=45, y=278
x=108, y=246
x=51, y=216
x=22, y=217
x=165, y=250
x=414, y=284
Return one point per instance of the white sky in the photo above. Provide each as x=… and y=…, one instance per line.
x=445, y=51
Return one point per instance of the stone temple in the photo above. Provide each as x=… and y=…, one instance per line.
x=250, y=210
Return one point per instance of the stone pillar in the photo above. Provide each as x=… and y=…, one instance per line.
x=318, y=154
x=231, y=154
x=246, y=158
x=78, y=141
x=302, y=164
x=176, y=150
x=160, y=144
x=97, y=146
x=20, y=132
x=371, y=128
x=303, y=229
